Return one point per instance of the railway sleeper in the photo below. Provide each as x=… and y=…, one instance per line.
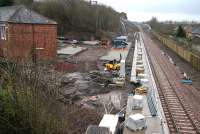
x=187, y=132
x=182, y=121
x=182, y=124
x=173, y=101
x=186, y=128
x=174, y=105
x=168, y=92
x=171, y=98
x=175, y=109
x=179, y=114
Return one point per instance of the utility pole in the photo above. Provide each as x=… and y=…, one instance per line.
x=95, y=3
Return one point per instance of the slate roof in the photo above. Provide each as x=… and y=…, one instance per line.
x=21, y=14
x=196, y=30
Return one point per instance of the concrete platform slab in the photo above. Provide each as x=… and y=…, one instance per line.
x=154, y=123
x=115, y=54
x=70, y=50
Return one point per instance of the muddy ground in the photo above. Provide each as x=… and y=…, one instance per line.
x=87, y=60
x=86, y=87
x=89, y=90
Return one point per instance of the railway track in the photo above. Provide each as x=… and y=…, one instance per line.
x=180, y=118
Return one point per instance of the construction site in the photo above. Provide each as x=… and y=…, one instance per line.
x=130, y=79
x=130, y=84
x=135, y=85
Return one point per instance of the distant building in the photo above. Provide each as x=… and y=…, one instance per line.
x=188, y=30
x=192, y=31
x=26, y=35
x=196, y=32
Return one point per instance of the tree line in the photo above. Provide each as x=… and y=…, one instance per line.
x=75, y=15
x=79, y=16
x=169, y=28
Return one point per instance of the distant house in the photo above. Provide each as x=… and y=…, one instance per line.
x=26, y=35
x=196, y=32
x=192, y=31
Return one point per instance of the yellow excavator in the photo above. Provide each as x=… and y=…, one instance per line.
x=141, y=90
x=112, y=67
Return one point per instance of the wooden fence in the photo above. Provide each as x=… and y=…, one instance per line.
x=187, y=55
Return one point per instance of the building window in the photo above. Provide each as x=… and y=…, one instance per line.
x=3, y=32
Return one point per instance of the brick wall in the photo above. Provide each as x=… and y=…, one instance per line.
x=23, y=38
x=2, y=49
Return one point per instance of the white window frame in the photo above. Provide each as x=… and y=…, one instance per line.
x=3, y=31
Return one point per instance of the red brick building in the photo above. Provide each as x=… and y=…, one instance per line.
x=26, y=35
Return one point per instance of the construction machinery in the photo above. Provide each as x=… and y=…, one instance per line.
x=141, y=90
x=112, y=66
x=119, y=43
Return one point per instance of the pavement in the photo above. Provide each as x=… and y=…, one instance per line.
x=115, y=54
x=153, y=123
x=70, y=50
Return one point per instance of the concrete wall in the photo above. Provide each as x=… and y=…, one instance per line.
x=23, y=38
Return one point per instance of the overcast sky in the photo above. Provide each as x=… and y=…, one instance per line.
x=142, y=10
